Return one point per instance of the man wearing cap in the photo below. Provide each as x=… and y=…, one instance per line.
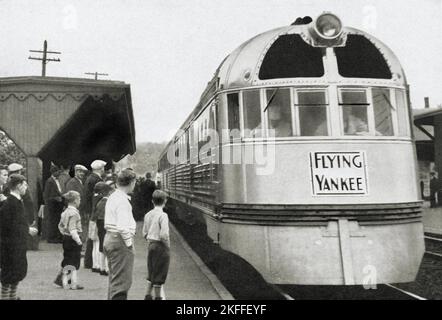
x=95, y=177
x=76, y=183
x=31, y=213
x=53, y=200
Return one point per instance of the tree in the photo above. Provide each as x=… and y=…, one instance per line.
x=9, y=152
x=145, y=159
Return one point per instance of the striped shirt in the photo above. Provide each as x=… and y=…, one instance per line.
x=118, y=216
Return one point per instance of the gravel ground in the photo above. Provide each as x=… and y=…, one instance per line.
x=433, y=245
x=428, y=282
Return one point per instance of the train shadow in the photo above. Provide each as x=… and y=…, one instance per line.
x=242, y=280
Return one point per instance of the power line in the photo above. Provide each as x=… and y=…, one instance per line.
x=44, y=60
x=96, y=74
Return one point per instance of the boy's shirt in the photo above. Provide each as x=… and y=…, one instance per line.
x=70, y=223
x=156, y=226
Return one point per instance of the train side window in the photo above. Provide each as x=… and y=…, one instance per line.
x=187, y=144
x=354, y=112
x=279, y=113
x=252, y=114
x=312, y=107
x=382, y=111
x=402, y=113
x=233, y=110
x=212, y=125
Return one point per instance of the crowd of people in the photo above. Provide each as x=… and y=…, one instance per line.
x=90, y=214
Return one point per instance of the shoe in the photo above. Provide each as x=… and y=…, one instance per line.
x=58, y=281
x=158, y=298
x=148, y=297
x=104, y=273
x=77, y=287
x=95, y=270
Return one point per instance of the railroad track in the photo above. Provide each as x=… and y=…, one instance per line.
x=415, y=296
x=437, y=240
x=386, y=292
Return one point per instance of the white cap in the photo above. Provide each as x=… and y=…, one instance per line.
x=80, y=167
x=14, y=167
x=98, y=164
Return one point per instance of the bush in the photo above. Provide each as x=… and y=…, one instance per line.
x=9, y=152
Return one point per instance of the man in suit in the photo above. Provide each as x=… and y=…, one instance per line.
x=95, y=177
x=76, y=183
x=64, y=177
x=434, y=190
x=52, y=196
x=31, y=213
x=3, y=181
x=147, y=188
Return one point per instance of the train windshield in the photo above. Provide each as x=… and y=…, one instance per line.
x=291, y=112
x=354, y=112
x=279, y=113
x=312, y=110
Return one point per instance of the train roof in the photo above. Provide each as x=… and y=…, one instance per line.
x=249, y=64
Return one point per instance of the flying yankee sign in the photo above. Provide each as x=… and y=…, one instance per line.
x=338, y=173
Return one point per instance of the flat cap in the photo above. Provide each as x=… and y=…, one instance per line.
x=80, y=167
x=98, y=164
x=14, y=167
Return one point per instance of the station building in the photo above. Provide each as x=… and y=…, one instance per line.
x=66, y=121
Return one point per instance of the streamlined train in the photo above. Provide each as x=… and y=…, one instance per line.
x=299, y=158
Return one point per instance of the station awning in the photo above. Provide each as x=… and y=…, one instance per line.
x=68, y=120
x=423, y=129
x=425, y=117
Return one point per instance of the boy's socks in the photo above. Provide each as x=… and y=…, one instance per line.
x=74, y=278
x=13, y=292
x=65, y=283
x=6, y=289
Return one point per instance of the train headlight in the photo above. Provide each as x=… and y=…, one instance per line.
x=328, y=26
x=326, y=31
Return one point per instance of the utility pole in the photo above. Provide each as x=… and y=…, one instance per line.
x=44, y=60
x=96, y=74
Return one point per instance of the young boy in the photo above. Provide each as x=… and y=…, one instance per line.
x=70, y=228
x=156, y=232
x=14, y=234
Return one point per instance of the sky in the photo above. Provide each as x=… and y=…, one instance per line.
x=168, y=50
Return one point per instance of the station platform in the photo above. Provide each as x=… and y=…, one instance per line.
x=188, y=279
